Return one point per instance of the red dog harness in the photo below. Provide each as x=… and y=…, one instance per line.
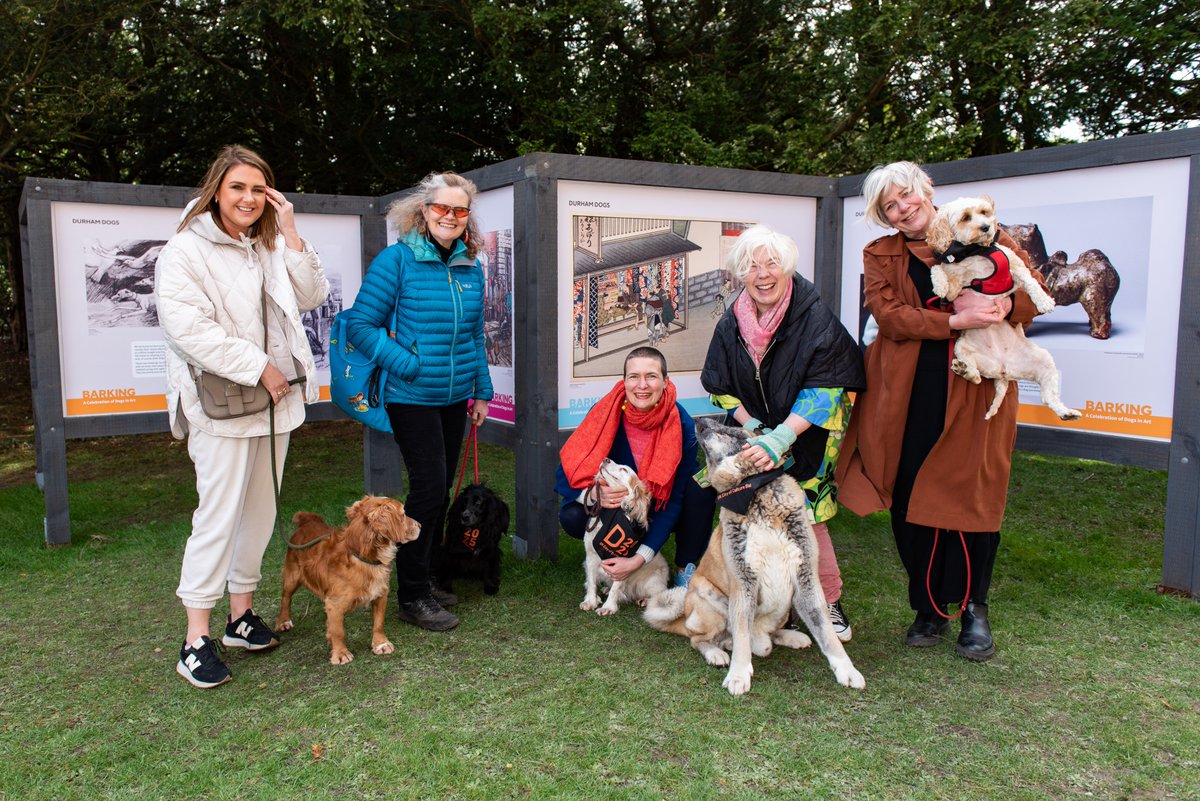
x=999, y=282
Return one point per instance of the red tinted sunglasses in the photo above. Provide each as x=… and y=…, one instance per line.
x=442, y=209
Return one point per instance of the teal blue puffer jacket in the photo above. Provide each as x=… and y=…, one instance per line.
x=437, y=356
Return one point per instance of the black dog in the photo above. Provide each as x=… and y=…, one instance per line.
x=475, y=524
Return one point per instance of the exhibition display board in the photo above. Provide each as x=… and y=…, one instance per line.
x=586, y=258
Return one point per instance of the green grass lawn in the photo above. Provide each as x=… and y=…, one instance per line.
x=1092, y=694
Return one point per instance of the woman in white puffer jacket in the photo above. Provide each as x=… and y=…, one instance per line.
x=235, y=243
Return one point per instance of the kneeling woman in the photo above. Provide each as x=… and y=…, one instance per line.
x=639, y=424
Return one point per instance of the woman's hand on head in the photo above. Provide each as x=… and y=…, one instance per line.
x=620, y=568
x=759, y=457
x=285, y=215
x=610, y=497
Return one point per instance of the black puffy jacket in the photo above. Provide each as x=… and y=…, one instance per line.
x=810, y=349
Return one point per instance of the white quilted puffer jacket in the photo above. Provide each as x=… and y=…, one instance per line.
x=210, y=310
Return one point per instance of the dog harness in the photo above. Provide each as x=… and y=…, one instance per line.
x=737, y=499
x=1000, y=282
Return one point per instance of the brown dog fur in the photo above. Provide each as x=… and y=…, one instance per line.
x=331, y=571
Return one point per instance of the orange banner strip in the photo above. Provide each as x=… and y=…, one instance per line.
x=1106, y=422
x=82, y=407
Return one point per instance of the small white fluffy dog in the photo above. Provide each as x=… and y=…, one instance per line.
x=645, y=582
x=999, y=352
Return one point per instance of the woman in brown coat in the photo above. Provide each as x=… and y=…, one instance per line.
x=918, y=444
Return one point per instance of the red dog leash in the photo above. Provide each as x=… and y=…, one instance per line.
x=929, y=572
x=472, y=439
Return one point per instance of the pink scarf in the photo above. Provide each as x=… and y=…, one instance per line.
x=755, y=329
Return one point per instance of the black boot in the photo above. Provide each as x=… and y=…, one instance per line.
x=927, y=630
x=975, y=640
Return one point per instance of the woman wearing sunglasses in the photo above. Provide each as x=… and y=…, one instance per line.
x=432, y=285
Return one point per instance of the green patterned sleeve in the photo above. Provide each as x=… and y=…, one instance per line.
x=822, y=406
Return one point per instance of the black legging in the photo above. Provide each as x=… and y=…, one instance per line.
x=430, y=438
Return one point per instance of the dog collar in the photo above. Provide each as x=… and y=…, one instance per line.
x=360, y=558
x=957, y=251
x=737, y=499
x=326, y=536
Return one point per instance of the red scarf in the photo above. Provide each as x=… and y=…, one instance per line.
x=592, y=441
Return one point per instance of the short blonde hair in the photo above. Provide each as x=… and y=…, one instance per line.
x=407, y=214
x=905, y=174
x=779, y=246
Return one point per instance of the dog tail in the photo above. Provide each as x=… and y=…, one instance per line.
x=665, y=611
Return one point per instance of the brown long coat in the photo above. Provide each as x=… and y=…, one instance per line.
x=963, y=483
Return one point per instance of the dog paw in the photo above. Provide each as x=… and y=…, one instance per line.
x=850, y=677
x=589, y=604
x=606, y=610
x=717, y=657
x=283, y=625
x=340, y=658
x=738, y=682
x=1070, y=414
x=384, y=647
x=761, y=646
x=790, y=638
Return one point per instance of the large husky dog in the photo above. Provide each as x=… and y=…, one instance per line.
x=759, y=566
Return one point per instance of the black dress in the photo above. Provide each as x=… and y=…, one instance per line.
x=922, y=428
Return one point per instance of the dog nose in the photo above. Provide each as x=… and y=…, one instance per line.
x=985, y=227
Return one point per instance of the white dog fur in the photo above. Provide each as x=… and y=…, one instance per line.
x=645, y=582
x=999, y=352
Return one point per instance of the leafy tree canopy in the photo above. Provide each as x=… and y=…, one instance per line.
x=366, y=96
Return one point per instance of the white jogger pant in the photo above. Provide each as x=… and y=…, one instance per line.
x=232, y=525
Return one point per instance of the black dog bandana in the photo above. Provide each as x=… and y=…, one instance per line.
x=618, y=535
x=737, y=499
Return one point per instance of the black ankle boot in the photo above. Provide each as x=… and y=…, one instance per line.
x=975, y=640
x=927, y=630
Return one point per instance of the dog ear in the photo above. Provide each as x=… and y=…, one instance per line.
x=988, y=203
x=938, y=234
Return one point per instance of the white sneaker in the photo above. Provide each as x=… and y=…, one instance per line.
x=841, y=623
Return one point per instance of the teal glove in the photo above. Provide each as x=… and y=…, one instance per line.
x=753, y=425
x=776, y=443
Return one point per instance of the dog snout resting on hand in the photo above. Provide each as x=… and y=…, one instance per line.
x=961, y=236
x=346, y=567
x=647, y=580
x=475, y=526
x=760, y=565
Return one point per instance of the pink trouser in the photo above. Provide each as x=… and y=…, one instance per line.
x=827, y=566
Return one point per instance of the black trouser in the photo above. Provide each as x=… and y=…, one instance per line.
x=692, y=530
x=948, y=576
x=430, y=438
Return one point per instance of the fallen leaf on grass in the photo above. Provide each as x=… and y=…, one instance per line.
x=318, y=750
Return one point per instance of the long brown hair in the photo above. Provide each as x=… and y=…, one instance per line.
x=266, y=228
x=406, y=213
